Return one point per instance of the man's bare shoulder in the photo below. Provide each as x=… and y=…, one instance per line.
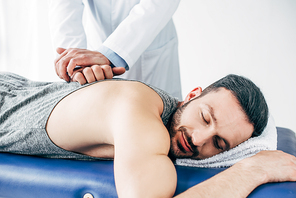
x=129, y=94
x=136, y=107
x=132, y=108
x=141, y=144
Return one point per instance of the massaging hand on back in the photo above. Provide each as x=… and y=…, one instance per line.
x=94, y=66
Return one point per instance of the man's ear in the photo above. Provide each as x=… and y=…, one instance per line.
x=193, y=94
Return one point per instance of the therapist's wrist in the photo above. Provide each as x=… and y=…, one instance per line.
x=113, y=57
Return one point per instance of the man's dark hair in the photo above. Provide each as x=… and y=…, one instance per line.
x=249, y=97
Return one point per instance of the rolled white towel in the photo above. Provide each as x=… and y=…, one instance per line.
x=266, y=141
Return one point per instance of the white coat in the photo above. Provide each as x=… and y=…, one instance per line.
x=142, y=32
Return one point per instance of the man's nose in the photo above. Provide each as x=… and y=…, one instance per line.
x=199, y=138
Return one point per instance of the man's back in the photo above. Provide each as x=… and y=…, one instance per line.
x=120, y=120
x=100, y=111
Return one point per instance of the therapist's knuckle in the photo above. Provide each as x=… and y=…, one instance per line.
x=79, y=77
x=87, y=70
x=56, y=60
x=83, y=56
x=96, y=69
x=58, y=67
x=73, y=51
x=62, y=61
x=73, y=61
x=101, y=59
x=106, y=68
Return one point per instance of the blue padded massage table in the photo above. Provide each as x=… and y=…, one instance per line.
x=28, y=176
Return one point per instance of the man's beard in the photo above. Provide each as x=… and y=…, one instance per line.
x=173, y=127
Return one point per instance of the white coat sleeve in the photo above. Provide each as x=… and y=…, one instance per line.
x=65, y=21
x=137, y=31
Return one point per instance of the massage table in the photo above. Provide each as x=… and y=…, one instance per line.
x=30, y=176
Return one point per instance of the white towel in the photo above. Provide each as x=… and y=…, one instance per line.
x=266, y=141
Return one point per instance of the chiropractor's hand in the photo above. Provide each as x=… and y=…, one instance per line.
x=94, y=66
x=95, y=72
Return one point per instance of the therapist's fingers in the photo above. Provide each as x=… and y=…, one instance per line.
x=86, y=58
x=118, y=71
x=95, y=73
x=61, y=63
x=60, y=50
x=102, y=72
x=61, y=68
x=69, y=52
x=76, y=77
x=88, y=75
x=79, y=77
x=107, y=71
x=70, y=58
x=98, y=72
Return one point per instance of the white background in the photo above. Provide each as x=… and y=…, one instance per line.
x=253, y=38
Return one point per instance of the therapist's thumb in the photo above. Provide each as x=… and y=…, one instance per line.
x=118, y=71
x=60, y=50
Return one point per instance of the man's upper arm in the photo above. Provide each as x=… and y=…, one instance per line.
x=142, y=167
x=145, y=176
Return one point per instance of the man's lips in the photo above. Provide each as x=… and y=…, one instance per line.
x=185, y=144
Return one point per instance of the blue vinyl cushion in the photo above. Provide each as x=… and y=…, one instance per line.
x=29, y=176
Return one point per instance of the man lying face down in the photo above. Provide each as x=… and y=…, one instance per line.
x=142, y=128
